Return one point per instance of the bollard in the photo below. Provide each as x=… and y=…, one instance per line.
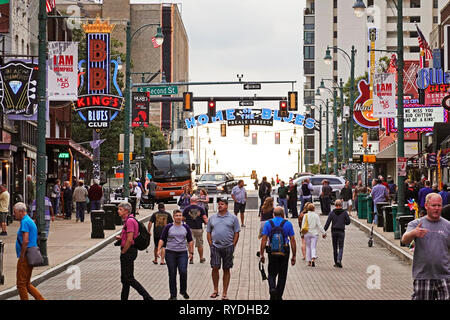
x=403, y=222
x=98, y=222
x=388, y=225
x=2, y=250
x=395, y=222
x=380, y=213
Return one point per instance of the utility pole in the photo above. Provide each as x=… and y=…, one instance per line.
x=41, y=131
x=335, y=152
x=327, y=150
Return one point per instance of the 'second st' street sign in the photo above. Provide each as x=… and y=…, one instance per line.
x=252, y=86
x=159, y=91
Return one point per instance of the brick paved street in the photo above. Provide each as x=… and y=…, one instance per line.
x=100, y=273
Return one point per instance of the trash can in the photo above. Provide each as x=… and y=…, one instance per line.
x=403, y=223
x=2, y=250
x=369, y=208
x=388, y=225
x=395, y=224
x=380, y=209
x=110, y=214
x=98, y=223
x=362, y=207
x=132, y=201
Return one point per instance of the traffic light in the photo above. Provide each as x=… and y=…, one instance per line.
x=211, y=108
x=292, y=98
x=223, y=130
x=254, y=138
x=339, y=135
x=246, y=130
x=187, y=102
x=277, y=138
x=364, y=136
x=283, y=109
x=370, y=158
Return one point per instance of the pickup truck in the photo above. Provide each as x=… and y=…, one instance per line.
x=216, y=183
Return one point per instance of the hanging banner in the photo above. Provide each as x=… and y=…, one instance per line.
x=18, y=90
x=62, y=71
x=140, y=109
x=4, y=16
x=384, y=90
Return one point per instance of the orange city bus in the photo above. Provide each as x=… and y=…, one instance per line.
x=171, y=171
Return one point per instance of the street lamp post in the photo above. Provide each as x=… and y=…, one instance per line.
x=328, y=59
x=359, y=8
x=127, y=121
x=335, y=152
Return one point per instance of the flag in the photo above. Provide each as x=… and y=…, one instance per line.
x=96, y=143
x=50, y=4
x=155, y=44
x=423, y=44
x=393, y=64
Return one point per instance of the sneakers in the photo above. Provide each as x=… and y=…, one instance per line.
x=185, y=295
x=339, y=264
x=3, y=233
x=172, y=298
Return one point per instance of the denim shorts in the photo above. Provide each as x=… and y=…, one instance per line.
x=3, y=217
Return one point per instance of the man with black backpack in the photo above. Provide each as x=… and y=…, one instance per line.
x=134, y=237
x=280, y=233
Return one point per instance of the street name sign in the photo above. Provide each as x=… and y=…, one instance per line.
x=159, y=91
x=246, y=103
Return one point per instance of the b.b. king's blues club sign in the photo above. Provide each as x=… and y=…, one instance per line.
x=264, y=117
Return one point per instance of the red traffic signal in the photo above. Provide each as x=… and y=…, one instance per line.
x=254, y=138
x=277, y=138
x=283, y=108
x=211, y=109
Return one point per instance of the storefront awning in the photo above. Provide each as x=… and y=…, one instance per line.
x=8, y=146
x=72, y=144
x=388, y=153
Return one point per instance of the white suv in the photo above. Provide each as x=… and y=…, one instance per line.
x=336, y=184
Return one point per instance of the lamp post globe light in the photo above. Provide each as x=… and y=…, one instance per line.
x=359, y=9
x=159, y=38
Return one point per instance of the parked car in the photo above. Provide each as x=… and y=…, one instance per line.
x=216, y=183
x=336, y=184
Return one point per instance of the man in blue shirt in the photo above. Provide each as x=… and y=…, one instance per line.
x=26, y=238
x=379, y=194
x=423, y=192
x=278, y=263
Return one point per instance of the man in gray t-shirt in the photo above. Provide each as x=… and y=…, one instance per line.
x=431, y=264
x=222, y=234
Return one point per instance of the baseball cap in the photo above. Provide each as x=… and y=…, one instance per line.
x=224, y=200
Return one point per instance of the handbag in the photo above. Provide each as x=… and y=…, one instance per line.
x=34, y=257
x=305, y=228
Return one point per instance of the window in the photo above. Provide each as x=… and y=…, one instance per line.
x=335, y=4
x=435, y=4
x=308, y=52
x=435, y=20
x=335, y=181
x=414, y=19
x=335, y=65
x=309, y=142
x=414, y=49
x=308, y=97
x=335, y=19
x=309, y=37
x=413, y=34
x=335, y=34
x=308, y=67
x=369, y=3
x=414, y=4
x=308, y=24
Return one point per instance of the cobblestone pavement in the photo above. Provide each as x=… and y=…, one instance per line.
x=100, y=273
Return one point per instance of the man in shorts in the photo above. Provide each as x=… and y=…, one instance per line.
x=239, y=196
x=222, y=234
x=4, y=209
x=431, y=235
x=195, y=216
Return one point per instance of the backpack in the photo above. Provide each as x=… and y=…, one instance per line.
x=392, y=187
x=276, y=239
x=142, y=241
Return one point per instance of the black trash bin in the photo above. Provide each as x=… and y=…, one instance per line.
x=403, y=223
x=98, y=223
x=110, y=214
x=117, y=219
x=132, y=201
x=388, y=220
x=2, y=276
x=380, y=209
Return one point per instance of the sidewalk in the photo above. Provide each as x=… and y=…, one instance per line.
x=386, y=239
x=69, y=242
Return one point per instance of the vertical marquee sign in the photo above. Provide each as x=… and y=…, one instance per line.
x=98, y=107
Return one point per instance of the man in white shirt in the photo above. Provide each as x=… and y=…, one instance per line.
x=138, y=192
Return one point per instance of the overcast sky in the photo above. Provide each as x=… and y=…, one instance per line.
x=261, y=39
